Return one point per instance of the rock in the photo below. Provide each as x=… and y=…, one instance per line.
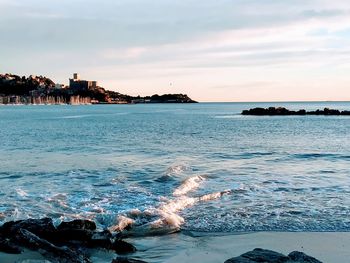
x=283, y=111
x=328, y=111
x=239, y=259
x=260, y=255
x=105, y=240
x=67, y=243
x=269, y=256
x=43, y=228
x=78, y=224
x=255, y=111
x=122, y=247
x=48, y=250
x=127, y=260
x=33, y=261
x=302, y=257
x=101, y=239
x=78, y=230
x=7, y=246
x=68, y=235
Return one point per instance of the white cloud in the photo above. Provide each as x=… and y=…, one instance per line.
x=297, y=47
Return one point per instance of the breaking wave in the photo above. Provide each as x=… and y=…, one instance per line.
x=188, y=185
x=165, y=218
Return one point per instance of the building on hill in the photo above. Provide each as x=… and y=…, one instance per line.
x=78, y=85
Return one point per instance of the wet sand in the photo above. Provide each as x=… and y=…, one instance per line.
x=329, y=247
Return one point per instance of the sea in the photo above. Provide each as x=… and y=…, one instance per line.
x=162, y=168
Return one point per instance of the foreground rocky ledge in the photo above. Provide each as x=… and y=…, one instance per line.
x=68, y=243
x=283, y=111
x=268, y=256
x=71, y=242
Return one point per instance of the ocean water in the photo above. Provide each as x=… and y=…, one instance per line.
x=163, y=167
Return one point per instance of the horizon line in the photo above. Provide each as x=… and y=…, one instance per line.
x=284, y=101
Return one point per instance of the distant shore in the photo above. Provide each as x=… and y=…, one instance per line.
x=15, y=89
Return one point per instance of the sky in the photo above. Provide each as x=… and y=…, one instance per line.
x=212, y=50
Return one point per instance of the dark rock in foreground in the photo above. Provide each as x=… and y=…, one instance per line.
x=127, y=260
x=7, y=246
x=302, y=257
x=48, y=250
x=68, y=243
x=269, y=256
x=280, y=111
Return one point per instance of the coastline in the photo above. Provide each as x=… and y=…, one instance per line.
x=328, y=247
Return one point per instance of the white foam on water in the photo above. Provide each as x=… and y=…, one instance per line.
x=59, y=199
x=213, y=196
x=165, y=218
x=123, y=222
x=228, y=116
x=177, y=169
x=21, y=192
x=188, y=185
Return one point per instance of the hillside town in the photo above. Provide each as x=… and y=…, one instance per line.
x=42, y=90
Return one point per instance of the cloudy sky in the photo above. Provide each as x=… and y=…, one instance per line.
x=213, y=50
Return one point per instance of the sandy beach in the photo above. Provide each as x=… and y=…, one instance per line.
x=330, y=247
x=27, y=255
x=327, y=247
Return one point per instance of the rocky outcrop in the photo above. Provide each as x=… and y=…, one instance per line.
x=272, y=111
x=269, y=256
x=69, y=242
x=7, y=246
x=169, y=98
x=48, y=250
x=127, y=260
x=302, y=257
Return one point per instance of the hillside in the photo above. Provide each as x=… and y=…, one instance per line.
x=15, y=89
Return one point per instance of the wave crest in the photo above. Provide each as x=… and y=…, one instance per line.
x=164, y=219
x=188, y=185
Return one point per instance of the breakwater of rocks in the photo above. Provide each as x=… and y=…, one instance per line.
x=272, y=111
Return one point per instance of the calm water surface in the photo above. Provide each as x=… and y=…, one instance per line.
x=281, y=173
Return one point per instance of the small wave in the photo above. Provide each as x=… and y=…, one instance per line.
x=11, y=177
x=123, y=223
x=74, y=117
x=161, y=220
x=176, y=169
x=188, y=185
x=228, y=116
x=213, y=196
x=59, y=200
x=21, y=192
x=173, y=172
x=320, y=155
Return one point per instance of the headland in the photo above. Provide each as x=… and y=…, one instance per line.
x=15, y=89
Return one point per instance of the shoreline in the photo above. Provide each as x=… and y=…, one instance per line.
x=328, y=247
x=187, y=247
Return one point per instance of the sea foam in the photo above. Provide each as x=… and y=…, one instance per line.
x=164, y=219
